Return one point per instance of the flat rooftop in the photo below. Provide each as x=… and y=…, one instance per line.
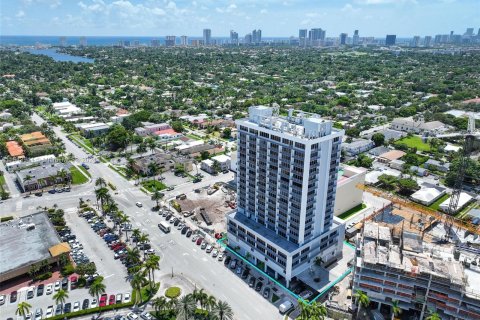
x=20, y=247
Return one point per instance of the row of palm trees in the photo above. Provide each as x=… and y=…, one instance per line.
x=186, y=307
x=310, y=311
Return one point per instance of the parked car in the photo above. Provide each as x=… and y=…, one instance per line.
x=111, y=300
x=30, y=293
x=251, y=282
x=2, y=299
x=118, y=298
x=189, y=233
x=76, y=306
x=305, y=295
x=259, y=285
x=199, y=241
x=233, y=264
x=126, y=297
x=73, y=282
x=40, y=290
x=85, y=304
x=220, y=256
x=285, y=306
x=245, y=273
x=49, y=312
x=204, y=245
x=239, y=270
x=227, y=260
x=146, y=315
x=139, y=204
x=38, y=314
x=132, y=316
x=94, y=303
x=103, y=300
x=58, y=309
x=215, y=253
x=65, y=284
x=67, y=308
x=209, y=248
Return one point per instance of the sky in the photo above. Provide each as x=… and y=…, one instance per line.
x=276, y=18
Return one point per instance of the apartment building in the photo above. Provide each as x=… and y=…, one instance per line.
x=286, y=184
x=419, y=275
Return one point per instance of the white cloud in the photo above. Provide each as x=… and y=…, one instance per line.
x=349, y=8
x=158, y=11
x=264, y=11
x=20, y=14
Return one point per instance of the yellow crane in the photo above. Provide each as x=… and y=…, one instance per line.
x=445, y=218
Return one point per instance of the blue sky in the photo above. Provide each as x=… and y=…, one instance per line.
x=274, y=17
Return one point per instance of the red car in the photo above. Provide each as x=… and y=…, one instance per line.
x=199, y=241
x=111, y=300
x=73, y=282
x=103, y=300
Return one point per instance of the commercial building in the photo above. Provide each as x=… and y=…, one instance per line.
x=286, y=184
x=36, y=143
x=419, y=275
x=26, y=241
x=95, y=129
x=390, y=40
x=233, y=37
x=355, y=38
x=357, y=146
x=343, y=38
x=216, y=164
x=170, y=41
x=66, y=109
x=36, y=178
x=207, y=37
x=184, y=40
x=32, y=162
x=149, y=128
x=414, y=126
x=349, y=195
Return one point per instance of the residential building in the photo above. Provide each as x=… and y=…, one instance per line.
x=420, y=276
x=349, y=195
x=428, y=194
x=163, y=160
x=256, y=36
x=391, y=155
x=397, y=164
x=437, y=165
x=378, y=151
x=286, y=184
x=302, y=37
x=343, y=38
x=356, y=38
x=207, y=37
x=194, y=146
x=184, y=40
x=248, y=39
x=216, y=164
x=419, y=171
x=36, y=143
x=415, y=41
x=36, y=178
x=26, y=241
x=94, y=129
x=170, y=41
x=14, y=149
x=427, y=41
x=357, y=146
x=233, y=37
x=390, y=40
x=149, y=128
x=463, y=200
x=418, y=126
x=5, y=115
x=155, y=43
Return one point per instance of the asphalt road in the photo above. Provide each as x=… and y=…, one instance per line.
x=176, y=251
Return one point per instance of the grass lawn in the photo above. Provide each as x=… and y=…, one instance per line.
x=152, y=185
x=351, y=212
x=193, y=136
x=414, y=142
x=85, y=171
x=2, y=180
x=87, y=144
x=77, y=176
x=436, y=204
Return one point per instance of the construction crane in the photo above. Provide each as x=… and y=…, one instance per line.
x=445, y=218
x=462, y=164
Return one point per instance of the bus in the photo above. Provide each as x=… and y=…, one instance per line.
x=164, y=226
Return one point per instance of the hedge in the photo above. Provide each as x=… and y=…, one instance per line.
x=7, y=218
x=43, y=276
x=172, y=292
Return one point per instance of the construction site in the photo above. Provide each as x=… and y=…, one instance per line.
x=208, y=206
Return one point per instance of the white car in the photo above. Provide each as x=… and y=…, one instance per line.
x=150, y=251
x=139, y=204
x=94, y=303
x=28, y=316
x=49, y=312
x=2, y=299
x=58, y=285
x=76, y=306
x=49, y=289
x=38, y=314
x=221, y=256
x=132, y=316
x=209, y=248
x=126, y=297
x=214, y=253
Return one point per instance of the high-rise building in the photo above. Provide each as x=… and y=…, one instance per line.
x=416, y=41
x=170, y=41
x=155, y=43
x=257, y=36
x=302, y=37
x=136, y=43
x=420, y=276
x=63, y=41
x=184, y=40
x=343, y=38
x=356, y=38
x=233, y=37
x=287, y=170
x=469, y=32
x=248, y=39
x=316, y=36
x=427, y=41
x=390, y=40
x=82, y=41
x=207, y=37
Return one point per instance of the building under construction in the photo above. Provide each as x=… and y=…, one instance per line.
x=423, y=277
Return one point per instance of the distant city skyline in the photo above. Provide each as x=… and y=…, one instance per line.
x=405, y=18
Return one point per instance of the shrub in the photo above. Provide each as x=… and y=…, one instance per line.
x=43, y=276
x=172, y=292
x=7, y=218
x=82, y=282
x=68, y=270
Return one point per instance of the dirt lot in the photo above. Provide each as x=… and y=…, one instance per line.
x=215, y=206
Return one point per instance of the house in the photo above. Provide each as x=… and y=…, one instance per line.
x=397, y=164
x=194, y=146
x=357, y=146
x=222, y=161
x=378, y=151
x=428, y=194
x=436, y=165
x=14, y=149
x=45, y=176
x=66, y=109
x=167, y=135
x=389, y=134
x=391, y=155
x=5, y=115
x=36, y=143
x=414, y=126
x=463, y=200
x=199, y=119
x=149, y=128
x=421, y=172
x=94, y=129
x=163, y=160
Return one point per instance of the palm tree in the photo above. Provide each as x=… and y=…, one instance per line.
x=102, y=195
x=362, y=300
x=157, y=196
x=396, y=310
x=100, y=182
x=133, y=255
x=124, y=219
x=305, y=311
x=223, y=311
x=63, y=175
x=60, y=297
x=433, y=316
x=152, y=264
x=138, y=282
x=143, y=239
x=136, y=234
x=159, y=303
x=153, y=169
x=97, y=288
x=210, y=302
x=23, y=308
x=186, y=307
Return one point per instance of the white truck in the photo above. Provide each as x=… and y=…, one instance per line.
x=286, y=306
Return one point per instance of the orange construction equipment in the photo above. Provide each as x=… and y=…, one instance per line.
x=445, y=218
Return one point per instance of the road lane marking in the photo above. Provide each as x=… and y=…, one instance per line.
x=111, y=275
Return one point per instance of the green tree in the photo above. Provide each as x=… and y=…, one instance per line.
x=223, y=311
x=396, y=310
x=362, y=300
x=227, y=133
x=138, y=282
x=433, y=316
x=117, y=137
x=387, y=181
x=60, y=297
x=152, y=263
x=177, y=126
x=378, y=138
x=97, y=288
x=407, y=185
x=157, y=196
x=186, y=307
x=23, y=308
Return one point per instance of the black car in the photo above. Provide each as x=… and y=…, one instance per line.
x=65, y=284
x=185, y=229
x=40, y=289
x=251, y=282
x=245, y=273
x=189, y=233
x=13, y=296
x=58, y=309
x=67, y=307
x=227, y=260
x=168, y=217
x=86, y=304
x=177, y=222
x=259, y=286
